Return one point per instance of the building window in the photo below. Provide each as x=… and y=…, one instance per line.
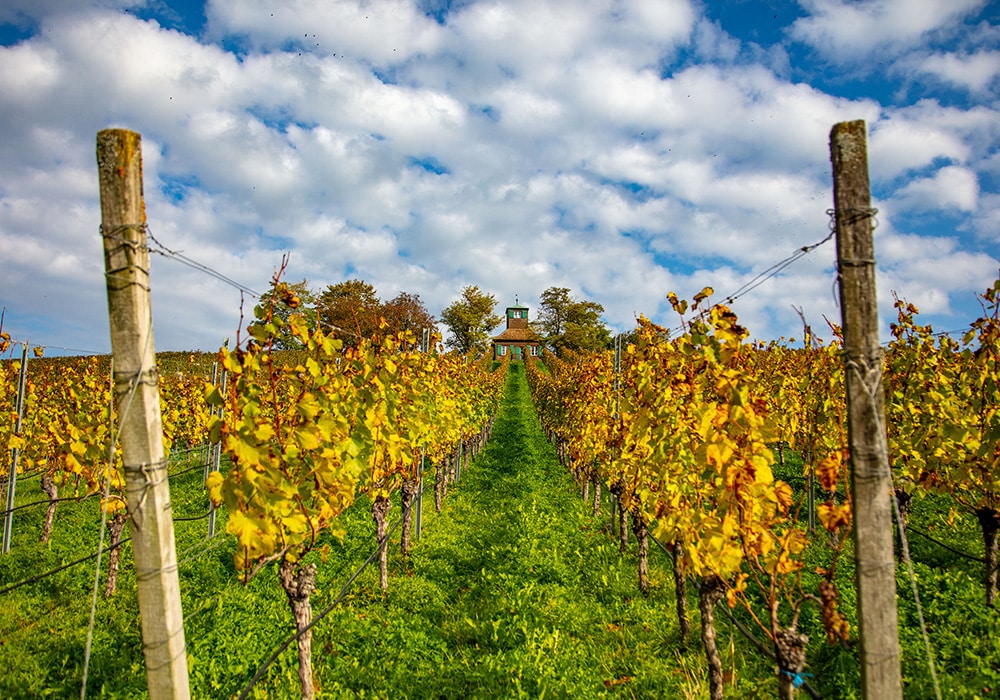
x=501, y=350
x=534, y=351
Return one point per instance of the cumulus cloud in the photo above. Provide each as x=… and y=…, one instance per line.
x=622, y=150
x=847, y=32
x=972, y=72
x=950, y=187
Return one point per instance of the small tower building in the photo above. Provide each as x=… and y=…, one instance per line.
x=518, y=340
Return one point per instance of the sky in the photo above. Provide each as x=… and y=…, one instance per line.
x=620, y=148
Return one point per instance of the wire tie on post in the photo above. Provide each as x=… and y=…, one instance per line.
x=116, y=234
x=856, y=262
x=851, y=215
x=125, y=381
x=143, y=575
x=146, y=469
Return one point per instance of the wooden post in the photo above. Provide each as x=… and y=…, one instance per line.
x=871, y=480
x=126, y=263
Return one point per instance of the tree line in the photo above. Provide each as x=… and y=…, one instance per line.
x=353, y=310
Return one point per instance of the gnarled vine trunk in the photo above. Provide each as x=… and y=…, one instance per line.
x=407, y=492
x=597, y=498
x=439, y=479
x=641, y=530
x=52, y=491
x=680, y=591
x=299, y=583
x=115, y=528
x=989, y=521
x=710, y=591
x=616, y=489
x=903, y=502
x=790, y=650
x=380, y=512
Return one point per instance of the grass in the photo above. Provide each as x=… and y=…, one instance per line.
x=514, y=590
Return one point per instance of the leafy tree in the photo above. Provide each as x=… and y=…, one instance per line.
x=566, y=323
x=552, y=313
x=631, y=336
x=352, y=309
x=470, y=320
x=407, y=312
x=288, y=298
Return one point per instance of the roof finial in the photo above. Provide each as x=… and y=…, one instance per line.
x=515, y=300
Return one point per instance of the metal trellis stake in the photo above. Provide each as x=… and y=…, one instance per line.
x=216, y=451
x=419, y=505
x=22, y=379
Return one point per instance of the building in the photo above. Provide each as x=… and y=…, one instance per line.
x=518, y=340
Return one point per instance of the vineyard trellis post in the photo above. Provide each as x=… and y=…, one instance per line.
x=418, y=526
x=216, y=449
x=418, y=516
x=126, y=260
x=22, y=386
x=210, y=455
x=871, y=480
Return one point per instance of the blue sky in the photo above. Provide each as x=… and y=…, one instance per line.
x=622, y=149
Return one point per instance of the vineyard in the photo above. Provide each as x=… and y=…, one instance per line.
x=304, y=435
x=825, y=513
x=518, y=586
x=689, y=433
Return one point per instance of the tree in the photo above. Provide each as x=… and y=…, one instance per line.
x=351, y=309
x=566, y=323
x=470, y=320
x=288, y=298
x=407, y=312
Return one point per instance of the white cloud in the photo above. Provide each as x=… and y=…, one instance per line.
x=846, y=32
x=899, y=145
x=30, y=72
x=930, y=272
x=987, y=221
x=950, y=187
x=974, y=72
x=619, y=149
x=377, y=30
x=19, y=11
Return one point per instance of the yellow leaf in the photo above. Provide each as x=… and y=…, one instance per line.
x=214, y=485
x=241, y=526
x=833, y=516
x=783, y=493
x=214, y=429
x=306, y=439
x=213, y=397
x=828, y=470
x=245, y=454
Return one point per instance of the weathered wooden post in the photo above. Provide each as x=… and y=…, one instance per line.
x=871, y=480
x=126, y=264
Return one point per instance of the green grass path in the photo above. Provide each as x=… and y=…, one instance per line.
x=515, y=590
